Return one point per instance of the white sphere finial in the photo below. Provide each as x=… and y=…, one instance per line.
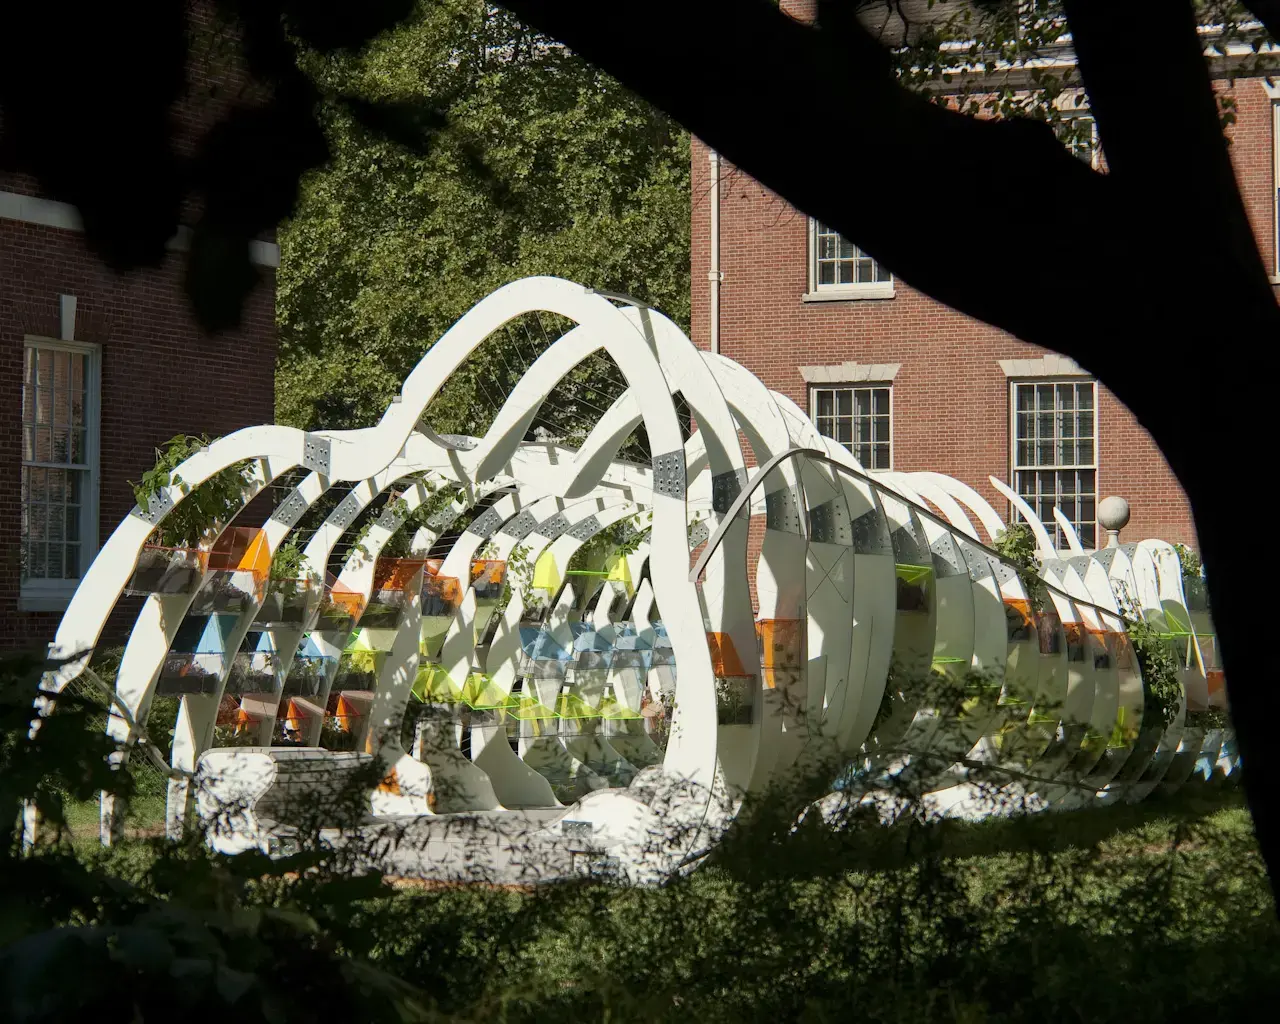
x=1113, y=516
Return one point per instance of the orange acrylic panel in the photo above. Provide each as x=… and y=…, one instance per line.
x=396, y=573
x=781, y=642
x=724, y=656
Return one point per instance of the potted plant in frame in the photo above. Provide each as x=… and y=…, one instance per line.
x=293, y=590
x=176, y=554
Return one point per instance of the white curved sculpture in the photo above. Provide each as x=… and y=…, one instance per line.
x=627, y=711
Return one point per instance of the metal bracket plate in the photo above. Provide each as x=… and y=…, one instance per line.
x=944, y=551
x=979, y=565
x=554, y=526
x=441, y=519
x=486, y=523
x=586, y=529
x=780, y=511
x=345, y=513
x=522, y=525
x=829, y=523
x=291, y=509
x=391, y=518
x=725, y=487
x=315, y=454
x=157, y=506
x=668, y=474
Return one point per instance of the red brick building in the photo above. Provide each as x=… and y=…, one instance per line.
x=909, y=384
x=96, y=370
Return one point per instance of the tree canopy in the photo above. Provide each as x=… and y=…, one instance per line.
x=541, y=165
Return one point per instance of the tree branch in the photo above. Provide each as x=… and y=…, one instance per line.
x=762, y=89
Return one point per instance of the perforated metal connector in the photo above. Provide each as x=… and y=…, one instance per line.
x=291, y=509
x=391, y=518
x=439, y=520
x=780, y=511
x=698, y=534
x=979, y=566
x=668, y=474
x=944, y=551
x=829, y=523
x=346, y=512
x=157, y=506
x=586, y=529
x=725, y=487
x=315, y=454
x=486, y=523
x=522, y=525
x=553, y=527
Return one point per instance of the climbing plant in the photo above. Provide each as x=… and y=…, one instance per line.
x=1017, y=544
x=206, y=507
x=1161, y=687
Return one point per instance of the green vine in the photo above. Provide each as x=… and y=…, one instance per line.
x=1017, y=544
x=288, y=567
x=1192, y=567
x=621, y=539
x=400, y=543
x=1161, y=687
x=204, y=508
x=1210, y=718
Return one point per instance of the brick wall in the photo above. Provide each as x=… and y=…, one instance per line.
x=160, y=376
x=951, y=397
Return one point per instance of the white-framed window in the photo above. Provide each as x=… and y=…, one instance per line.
x=1055, y=453
x=1079, y=133
x=860, y=417
x=838, y=269
x=60, y=421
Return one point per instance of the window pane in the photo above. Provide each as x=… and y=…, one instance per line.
x=37, y=563
x=826, y=273
x=1026, y=397
x=881, y=460
x=864, y=429
x=844, y=402
x=824, y=402
x=1025, y=425
x=846, y=272
x=1044, y=397
x=1084, y=396
x=1044, y=426
x=55, y=431
x=882, y=401
x=844, y=431
x=882, y=428
x=1084, y=451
